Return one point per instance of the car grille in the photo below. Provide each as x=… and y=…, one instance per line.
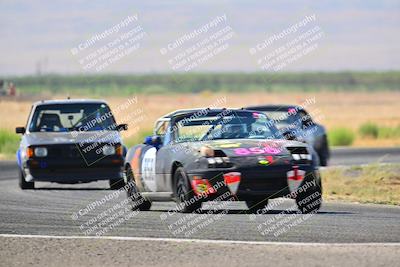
x=75, y=151
x=263, y=181
x=297, y=150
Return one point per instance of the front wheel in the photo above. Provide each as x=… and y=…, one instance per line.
x=24, y=184
x=138, y=202
x=186, y=200
x=116, y=184
x=310, y=201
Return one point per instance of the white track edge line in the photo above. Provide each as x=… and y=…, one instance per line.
x=209, y=241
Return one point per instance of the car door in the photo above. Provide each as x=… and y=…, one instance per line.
x=309, y=128
x=162, y=156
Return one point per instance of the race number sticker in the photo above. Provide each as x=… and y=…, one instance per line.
x=149, y=169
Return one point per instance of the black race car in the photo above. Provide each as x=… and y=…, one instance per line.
x=202, y=154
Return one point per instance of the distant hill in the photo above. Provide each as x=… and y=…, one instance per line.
x=198, y=82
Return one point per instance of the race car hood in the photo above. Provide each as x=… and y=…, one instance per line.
x=248, y=147
x=48, y=138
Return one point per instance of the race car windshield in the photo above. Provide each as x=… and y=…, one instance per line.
x=72, y=117
x=236, y=125
x=282, y=118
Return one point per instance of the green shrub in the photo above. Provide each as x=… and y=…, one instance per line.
x=369, y=129
x=137, y=137
x=341, y=137
x=9, y=142
x=388, y=132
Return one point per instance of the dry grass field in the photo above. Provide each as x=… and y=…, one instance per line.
x=374, y=183
x=332, y=109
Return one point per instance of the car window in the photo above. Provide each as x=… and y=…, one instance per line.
x=305, y=118
x=281, y=117
x=72, y=117
x=235, y=125
x=193, y=133
x=161, y=128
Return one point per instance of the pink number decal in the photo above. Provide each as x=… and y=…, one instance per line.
x=272, y=150
x=256, y=150
x=242, y=151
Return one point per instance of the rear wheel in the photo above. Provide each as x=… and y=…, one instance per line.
x=323, y=161
x=138, y=202
x=324, y=152
x=186, y=200
x=116, y=184
x=24, y=184
x=257, y=206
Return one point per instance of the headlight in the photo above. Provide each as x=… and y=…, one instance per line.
x=41, y=152
x=108, y=150
x=219, y=162
x=119, y=150
x=206, y=151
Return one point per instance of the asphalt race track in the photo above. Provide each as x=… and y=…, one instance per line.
x=360, y=156
x=359, y=234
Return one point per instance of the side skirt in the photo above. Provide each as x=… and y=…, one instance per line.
x=158, y=196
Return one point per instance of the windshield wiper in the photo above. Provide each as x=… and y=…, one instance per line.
x=219, y=118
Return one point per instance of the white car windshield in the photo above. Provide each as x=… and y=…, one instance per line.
x=235, y=125
x=71, y=117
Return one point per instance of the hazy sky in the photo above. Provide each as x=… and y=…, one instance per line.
x=357, y=35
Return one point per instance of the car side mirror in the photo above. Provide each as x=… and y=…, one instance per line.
x=306, y=123
x=20, y=130
x=153, y=140
x=122, y=127
x=289, y=135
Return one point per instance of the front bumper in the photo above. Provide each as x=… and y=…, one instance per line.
x=256, y=183
x=73, y=170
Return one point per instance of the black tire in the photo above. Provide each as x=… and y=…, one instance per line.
x=310, y=201
x=138, y=202
x=184, y=194
x=257, y=206
x=24, y=184
x=116, y=184
x=324, y=152
x=323, y=161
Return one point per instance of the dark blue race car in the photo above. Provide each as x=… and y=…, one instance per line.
x=295, y=123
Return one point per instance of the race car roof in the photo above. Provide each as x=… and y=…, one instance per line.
x=194, y=110
x=180, y=114
x=273, y=107
x=69, y=101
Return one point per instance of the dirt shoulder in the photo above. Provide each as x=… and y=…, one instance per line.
x=374, y=183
